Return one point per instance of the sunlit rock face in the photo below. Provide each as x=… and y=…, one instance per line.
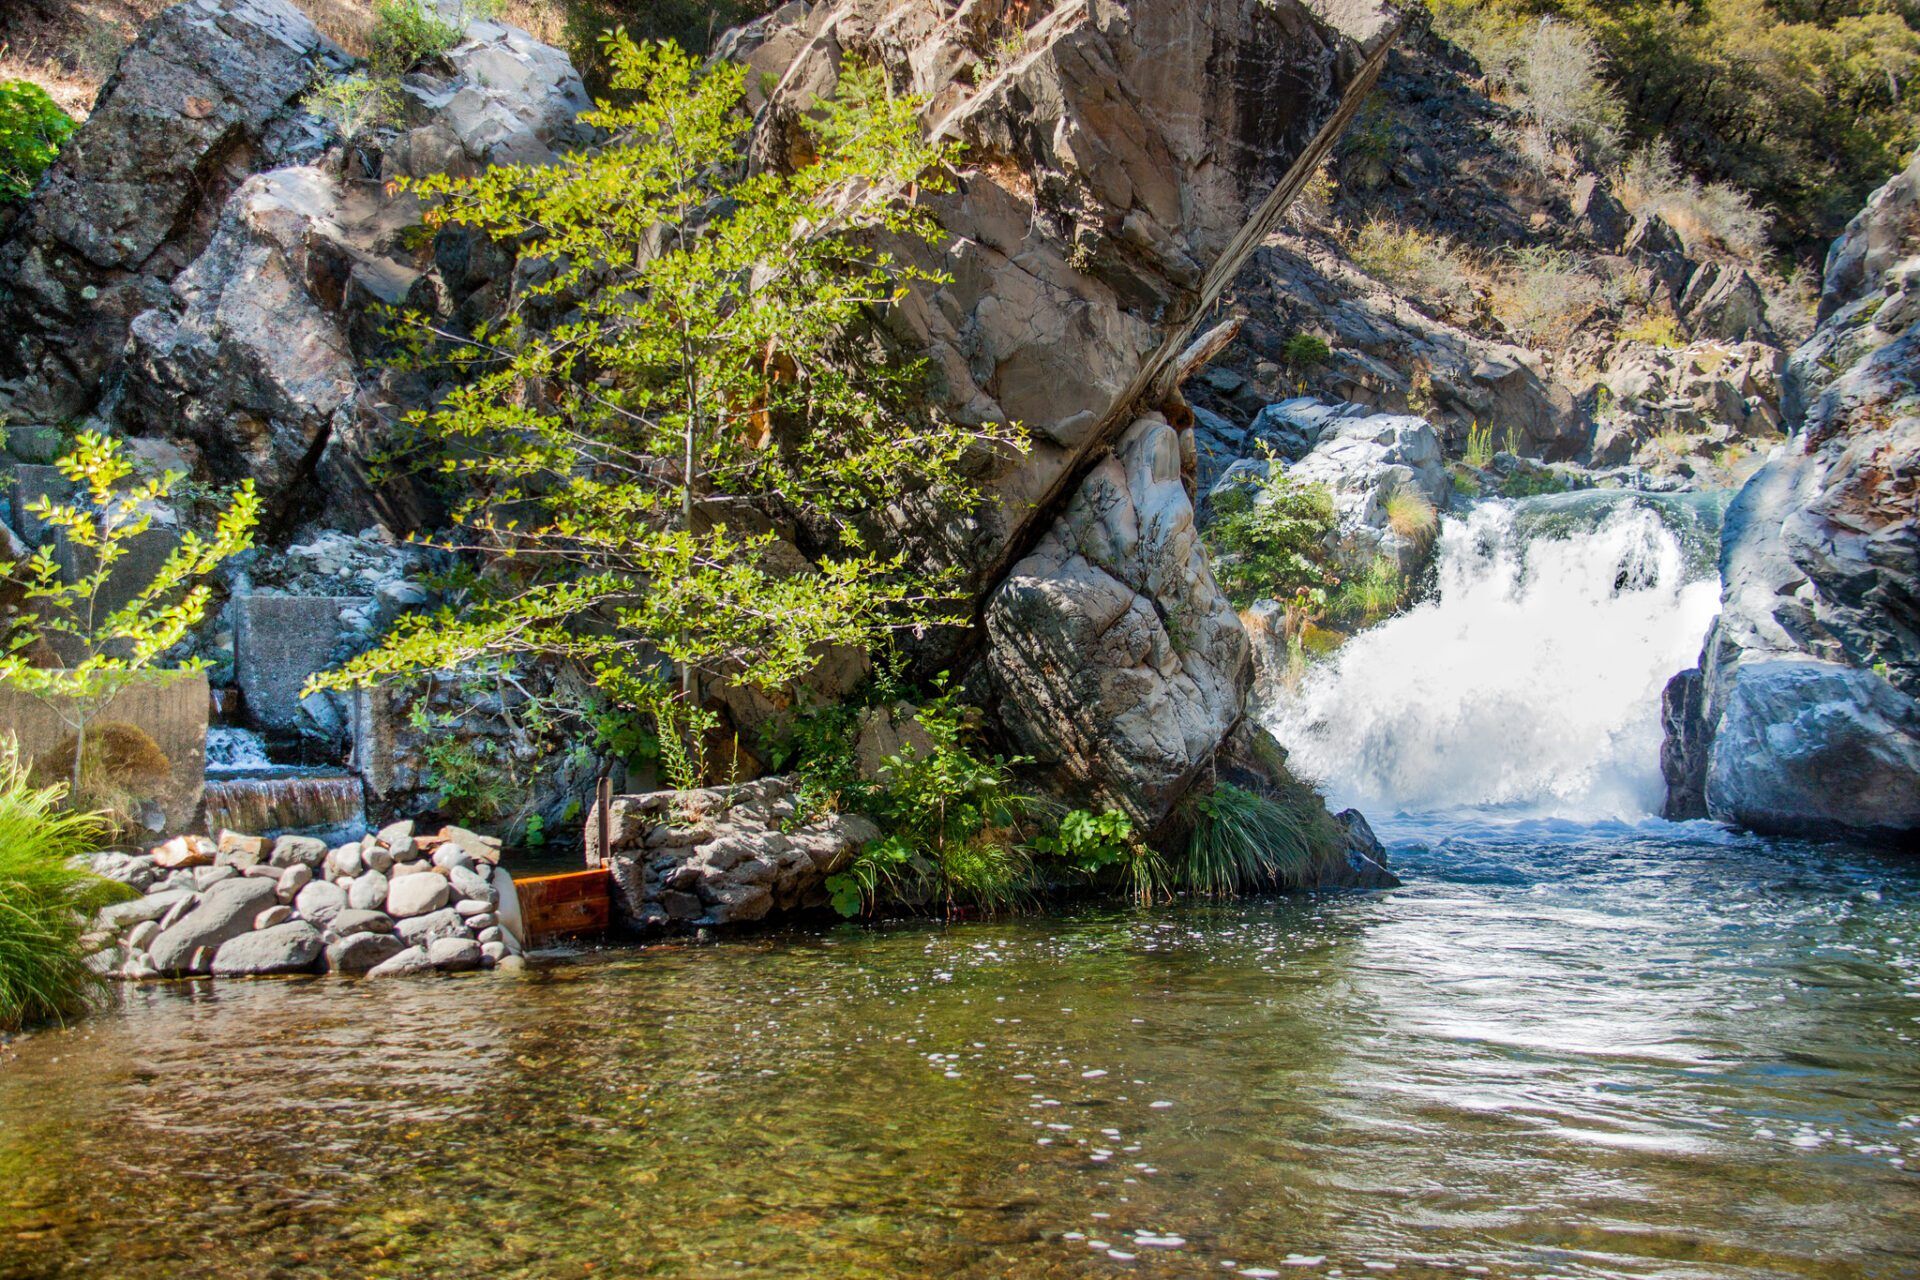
x=1809, y=721
x=1120, y=163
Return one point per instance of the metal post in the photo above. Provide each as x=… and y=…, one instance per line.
x=603, y=804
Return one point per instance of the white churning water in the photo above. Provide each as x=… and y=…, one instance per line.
x=1530, y=679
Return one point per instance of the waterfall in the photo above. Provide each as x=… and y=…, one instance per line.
x=1531, y=678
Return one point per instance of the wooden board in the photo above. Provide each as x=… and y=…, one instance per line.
x=565, y=906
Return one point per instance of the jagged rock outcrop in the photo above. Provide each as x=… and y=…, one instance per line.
x=202, y=99
x=1118, y=663
x=1808, y=720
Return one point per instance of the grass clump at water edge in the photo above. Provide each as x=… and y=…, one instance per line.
x=1245, y=841
x=47, y=900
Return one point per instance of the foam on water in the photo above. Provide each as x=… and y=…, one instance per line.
x=1531, y=678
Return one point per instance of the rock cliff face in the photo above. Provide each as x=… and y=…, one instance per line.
x=1806, y=718
x=1123, y=162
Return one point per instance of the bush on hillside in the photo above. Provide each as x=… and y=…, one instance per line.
x=32, y=130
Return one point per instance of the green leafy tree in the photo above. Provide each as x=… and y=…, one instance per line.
x=111, y=646
x=32, y=130
x=630, y=468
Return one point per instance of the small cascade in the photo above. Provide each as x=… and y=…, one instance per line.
x=231, y=750
x=1531, y=680
x=247, y=792
x=308, y=801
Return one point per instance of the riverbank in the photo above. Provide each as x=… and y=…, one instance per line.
x=1620, y=1050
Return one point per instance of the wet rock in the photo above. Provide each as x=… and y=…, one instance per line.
x=225, y=912
x=406, y=964
x=454, y=955
x=362, y=952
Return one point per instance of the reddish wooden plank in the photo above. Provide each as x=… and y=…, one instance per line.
x=579, y=902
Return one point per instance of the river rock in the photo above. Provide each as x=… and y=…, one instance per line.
x=293, y=947
x=345, y=861
x=151, y=907
x=320, y=902
x=378, y=858
x=369, y=892
x=362, y=952
x=418, y=930
x=493, y=953
x=407, y=963
x=182, y=852
x=292, y=880
x=299, y=850
x=225, y=912
x=353, y=920
x=142, y=934
x=471, y=886
x=416, y=895
x=205, y=878
x=454, y=955
x=449, y=856
x=474, y=910
x=509, y=909
x=274, y=915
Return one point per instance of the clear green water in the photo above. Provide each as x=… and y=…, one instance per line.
x=1579, y=1052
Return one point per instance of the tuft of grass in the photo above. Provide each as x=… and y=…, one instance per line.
x=1411, y=515
x=1479, y=452
x=1373, y=594
x=47, y=900
x=1245, y=841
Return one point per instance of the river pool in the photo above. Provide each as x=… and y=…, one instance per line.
x=1621, y=1050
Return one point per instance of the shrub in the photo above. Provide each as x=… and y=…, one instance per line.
x=408, y=32
x=953, y=820
x=1547, y=295
x=1304, y=351
x=1411, y=515
x=32, y=130
x=1563, y=90
x=109, y=647
x=354, y=104
x=1270, y=539
x=121, y=770
x=1245, y=841
x=1431, y=267
x=1658, y=329
x=47, y=900
x=1095, y=844
x=1704, y=213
